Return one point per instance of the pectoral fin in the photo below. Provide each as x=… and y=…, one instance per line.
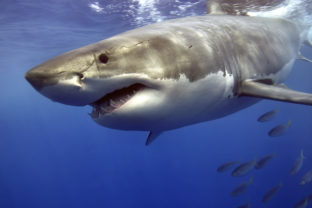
x=151, y=137
x=301, y=57
x=274, y=92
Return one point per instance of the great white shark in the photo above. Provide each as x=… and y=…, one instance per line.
x=177, y=72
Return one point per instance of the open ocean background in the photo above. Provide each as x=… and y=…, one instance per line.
x=53, y=155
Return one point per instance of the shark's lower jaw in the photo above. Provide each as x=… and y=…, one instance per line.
x=114, y=100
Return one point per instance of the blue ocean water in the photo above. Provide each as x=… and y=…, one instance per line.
x=53, y=155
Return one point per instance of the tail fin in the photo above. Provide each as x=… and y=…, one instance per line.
x=298, y=11
x=289, y=122
x=301, y=154
x=251, y=180
x=278, y=109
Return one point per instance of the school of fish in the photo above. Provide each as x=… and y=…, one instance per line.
x=240, y=169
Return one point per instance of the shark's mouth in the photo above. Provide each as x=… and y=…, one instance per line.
x=114, y=100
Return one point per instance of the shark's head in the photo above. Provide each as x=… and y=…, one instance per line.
x=125, y=79
x=138, y=80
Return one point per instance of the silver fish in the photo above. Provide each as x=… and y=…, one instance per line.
x=280, y=129
x=227, y=166
x=297, y=164
x=268, y=195
x=244, y=168
x=263, y=161
x=268, y=116
x=241, y=188
x=307, y=178
x=244, y=205
x=303, y=203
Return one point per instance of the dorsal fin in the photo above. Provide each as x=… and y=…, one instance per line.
x=227, y=7
x=240, y=7
x=213, y=7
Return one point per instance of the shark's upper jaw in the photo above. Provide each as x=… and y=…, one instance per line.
x=114, y=100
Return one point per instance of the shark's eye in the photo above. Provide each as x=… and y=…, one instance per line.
x=103, y=58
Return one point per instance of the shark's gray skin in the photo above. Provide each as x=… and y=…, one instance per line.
x=176, y=73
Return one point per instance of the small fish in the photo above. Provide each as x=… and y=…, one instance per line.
x=279, y=130
x=297, y=164
x=268, y=116
x=244, y=205
x=227, y=166
x=263, y=161
x=307, y=178
x=244, y=168
x=241, y=188
x=303, y=203
x=268, y=195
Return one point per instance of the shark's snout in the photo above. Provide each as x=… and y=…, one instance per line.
x=62, y=78
x=39, y=80
x=63, y=87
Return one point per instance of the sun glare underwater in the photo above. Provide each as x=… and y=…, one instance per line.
x=54, y=155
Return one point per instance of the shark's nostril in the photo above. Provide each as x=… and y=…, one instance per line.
x=80, y=75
